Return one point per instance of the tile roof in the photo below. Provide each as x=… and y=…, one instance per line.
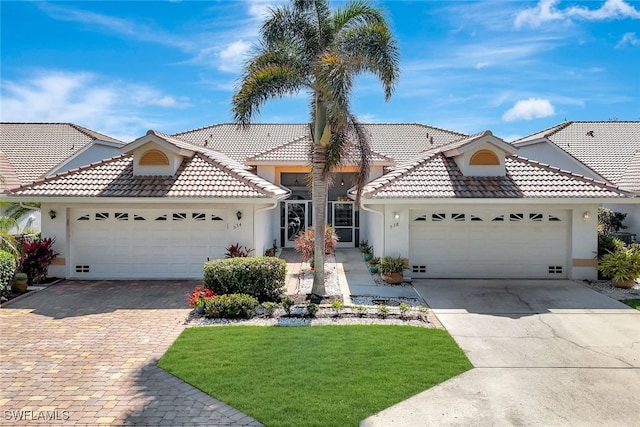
x=609, y=148
x=398, y=141
x=438, y=177
x=298, y=151
x=33, y=149
x=198, y=176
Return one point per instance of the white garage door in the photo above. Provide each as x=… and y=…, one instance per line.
x=145, y=243
x=489, y=244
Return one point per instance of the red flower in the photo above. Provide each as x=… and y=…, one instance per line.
x=199, y=296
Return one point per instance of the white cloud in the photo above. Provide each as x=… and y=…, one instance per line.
x=547, y=11
x=232, y=56
x=532, y=108
x=120, y=109
x=628, y=39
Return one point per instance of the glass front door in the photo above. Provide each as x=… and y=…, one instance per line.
x=342, y=219
x=295, y=220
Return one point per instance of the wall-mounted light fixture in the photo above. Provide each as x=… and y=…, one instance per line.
x=586, y=216
x=396, y=215
x=239, y=215
x=52, y=214
x=342, y=181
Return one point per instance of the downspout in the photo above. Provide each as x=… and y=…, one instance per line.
x=382, y=222
x=267, y=208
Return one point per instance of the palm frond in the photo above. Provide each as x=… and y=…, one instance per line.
x=356, y=13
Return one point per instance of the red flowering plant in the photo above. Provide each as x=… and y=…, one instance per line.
x=199, y=296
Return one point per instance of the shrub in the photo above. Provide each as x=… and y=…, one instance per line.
x=383, y=311
x=36, y=256
x=608, y=244
x=270, y=307
x=361, y=310
x=7, y=268
x=263, y=278
x=337, y=306
x=287, y=304
x=199, y=295
x=312, y=309
x=609, y=221
x=237, y=251
x=621, y=266
x=305, y=241
x=231, y=306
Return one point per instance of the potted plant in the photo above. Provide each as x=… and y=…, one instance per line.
x=374, y=264
x=19, y=283
x=391, y=268
x=198, y=298
x=367, y=252
x=622, y=266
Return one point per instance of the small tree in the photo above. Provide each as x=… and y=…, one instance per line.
x=36, y=256
x=609, y=221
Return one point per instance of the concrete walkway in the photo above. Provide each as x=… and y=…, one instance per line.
x=546, y=353
x=84, y=353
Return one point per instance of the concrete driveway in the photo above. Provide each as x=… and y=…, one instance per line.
x=551, y=353
x=84, y=353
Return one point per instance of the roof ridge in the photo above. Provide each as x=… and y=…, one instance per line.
x=277, y=147
x=92, y=133
x=558, y=128
x=216, y=125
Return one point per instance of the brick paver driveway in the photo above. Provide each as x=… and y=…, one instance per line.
x=84, y=353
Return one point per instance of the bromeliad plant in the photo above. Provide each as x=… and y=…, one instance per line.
x=237, y=251
x=199, y=296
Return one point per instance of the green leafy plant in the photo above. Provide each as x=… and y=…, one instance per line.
x=393, y=264
x=232, y=306
x=404, y=309
x=36, y=256
x=383, y=311
x=287, y=304
x=337, y=306
x=262, y=278
x=364, y=246
x=610, y=221
x=270, y=307
x=305, y=241
x=608, y=244
x=237, y=251
x=312, y=309
x=7, y=269
x=361, y=310
x=621, y=266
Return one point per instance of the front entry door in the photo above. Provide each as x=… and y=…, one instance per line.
x=295, y=220
x=342, y=219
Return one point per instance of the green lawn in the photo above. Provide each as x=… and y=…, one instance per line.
x=313, y=376
x=635, y=303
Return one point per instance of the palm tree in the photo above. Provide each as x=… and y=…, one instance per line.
x=306, y=46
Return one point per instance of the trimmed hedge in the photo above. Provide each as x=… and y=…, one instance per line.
x=232, y=306
x=7, y=269
x=263, y=278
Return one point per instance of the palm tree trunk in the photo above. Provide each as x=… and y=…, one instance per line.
x=319, y=196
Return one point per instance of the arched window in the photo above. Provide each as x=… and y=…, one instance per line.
x=154, y=158
x=484, y=158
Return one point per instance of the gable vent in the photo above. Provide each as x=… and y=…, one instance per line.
x=484, y=158
x=154, y=158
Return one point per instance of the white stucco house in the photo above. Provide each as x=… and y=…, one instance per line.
x=455, y=205
x=29, y=151
x=608, y=151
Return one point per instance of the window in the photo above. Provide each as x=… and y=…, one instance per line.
x=421, y=218
x=484, y=158
x=553, y=218
x=199, y=216
x=138, y=218
x=535, y=217
x=438, y=217
x=179, y=216
x=84, y=217
x=215, y=217
x=516, y=217
x=498, y=218
x=162, y=218
x=476, y=218
x=458, y=216
x=154, y=158
x=122, y=216
x=101, y=216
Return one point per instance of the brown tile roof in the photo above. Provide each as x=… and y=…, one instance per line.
x=398, y=141
x=608, y=148
x=33, y=149
x=198, y=176
x=438, y=177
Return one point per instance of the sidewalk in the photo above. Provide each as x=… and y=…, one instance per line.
x=353, y=275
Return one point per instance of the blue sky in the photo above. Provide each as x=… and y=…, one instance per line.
x=512, y=67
